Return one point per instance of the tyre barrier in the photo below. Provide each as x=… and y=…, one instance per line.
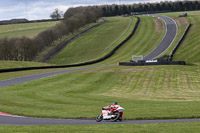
x=79, y=64
x=151, y=63
x=179, y=42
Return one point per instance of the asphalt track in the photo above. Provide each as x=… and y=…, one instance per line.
x=14, y=120
x=19, y=80
x=171, y=31
x=6, y=119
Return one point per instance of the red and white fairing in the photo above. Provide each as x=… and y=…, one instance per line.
x=107, y=110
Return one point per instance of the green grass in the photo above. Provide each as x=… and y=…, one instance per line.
x=188, y=50
x=19, y=64
x=97, y=42
x=181, y=25
x=148, y=35
x=11, y=75
x=192, y=127
x=65, y=38
x=150, y=92
x=143, y=42
x=160, y=92
x=25, y=29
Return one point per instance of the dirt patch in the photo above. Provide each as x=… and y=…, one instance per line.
x=159, y=25
x=133, y=69
x=102, y=71
x=181, y=22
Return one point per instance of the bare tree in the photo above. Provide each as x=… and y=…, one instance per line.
x=57, y=14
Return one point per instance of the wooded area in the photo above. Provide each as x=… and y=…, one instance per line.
x=141, y=8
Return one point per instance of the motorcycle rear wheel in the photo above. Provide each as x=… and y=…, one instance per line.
x=99, y=118
x=117, y=116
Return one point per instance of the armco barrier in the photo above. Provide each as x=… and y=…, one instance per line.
x=179, y=42
x=79, y=64
x=152, y=63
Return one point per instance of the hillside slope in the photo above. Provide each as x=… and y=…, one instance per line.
x=148, y=35
x=189, y=49
x=147, y=92
x=90, y=46
x=96, y=42
x=25, y=29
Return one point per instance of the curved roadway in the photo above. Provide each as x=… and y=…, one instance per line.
x=19, y=80
x=171, y=31
x=6, y=119
x=14, y=120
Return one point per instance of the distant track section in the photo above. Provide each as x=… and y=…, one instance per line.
x=19, y=80
x=171, y=31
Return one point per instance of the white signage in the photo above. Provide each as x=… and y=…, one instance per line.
x=149, y=61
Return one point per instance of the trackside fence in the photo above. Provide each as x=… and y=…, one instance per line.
x=179, y=42
x=151, y=63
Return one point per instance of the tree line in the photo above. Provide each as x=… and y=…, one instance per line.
x=167, y=6
x=26, y=49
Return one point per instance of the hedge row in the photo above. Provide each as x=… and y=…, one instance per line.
x=26, y=49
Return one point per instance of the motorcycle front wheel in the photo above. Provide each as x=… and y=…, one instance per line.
x=99, y=118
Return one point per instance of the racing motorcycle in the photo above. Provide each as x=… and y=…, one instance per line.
x=107, y=113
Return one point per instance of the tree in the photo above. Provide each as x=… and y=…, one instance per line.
x=57, y=14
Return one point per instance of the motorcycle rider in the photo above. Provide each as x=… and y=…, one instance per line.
x=113, y=107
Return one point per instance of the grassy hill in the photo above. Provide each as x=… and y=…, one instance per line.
x=96, y=42
x=25, y=29
x=188, y=50
x=148, y=35
x=19, y=64
x=148, y=92
x=145, y=92
x=103, y=39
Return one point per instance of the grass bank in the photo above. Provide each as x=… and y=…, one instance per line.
x=148, y=35
x=129, y=128
x=19, y=64
x=25, y=29
x=145, y=92
x=150, y=92
x=188, y=50
x=97, y=42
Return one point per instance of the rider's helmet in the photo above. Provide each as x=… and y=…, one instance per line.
x=115, y=103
